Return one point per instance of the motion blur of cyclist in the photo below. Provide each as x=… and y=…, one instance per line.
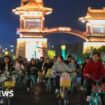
x=94, y=70
x=59, y=67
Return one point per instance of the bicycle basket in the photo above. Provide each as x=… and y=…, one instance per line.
x=9, y=84
x=41, y=75
x=65, y=80
x=49, y=73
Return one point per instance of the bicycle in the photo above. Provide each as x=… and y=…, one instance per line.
x=8, y=85
x=2, y=79
x=65, y=83
x=49, y=80
x=97, y=90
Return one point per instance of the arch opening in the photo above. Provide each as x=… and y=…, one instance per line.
x=74, y=44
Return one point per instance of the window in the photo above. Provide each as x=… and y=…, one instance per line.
x=98, y=29
x=33, y=23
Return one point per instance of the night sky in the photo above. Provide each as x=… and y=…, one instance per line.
x=65, y=13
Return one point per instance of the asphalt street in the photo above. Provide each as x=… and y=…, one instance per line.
x=39, y=96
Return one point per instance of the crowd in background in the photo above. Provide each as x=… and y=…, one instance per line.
x=36, y=70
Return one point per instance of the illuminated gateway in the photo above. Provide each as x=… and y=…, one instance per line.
x=32, y=32
x=31, y=42
x=95, y=28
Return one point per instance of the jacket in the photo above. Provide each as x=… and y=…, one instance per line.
x=94, y=70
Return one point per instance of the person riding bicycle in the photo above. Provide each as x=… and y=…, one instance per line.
x=19, y=70
x=87, y=59
x=59, y=67
x=73, y=66
x=94, y=70
x=6, y=70
x=32, y=73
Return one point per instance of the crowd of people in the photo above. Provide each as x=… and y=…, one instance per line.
x=28, y=73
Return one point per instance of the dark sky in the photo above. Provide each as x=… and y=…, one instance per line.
x=66, y=13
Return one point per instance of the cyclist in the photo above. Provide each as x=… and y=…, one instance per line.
x=94, y=70
x=73, y=69
x=59, y=67
x=19, y=68
x=87, y=59
x=47, y=65
x=32, y=73
x=6, y=69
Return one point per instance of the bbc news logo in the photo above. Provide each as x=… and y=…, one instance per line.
x=7, y=93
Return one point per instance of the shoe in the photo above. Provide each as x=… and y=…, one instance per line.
x=88, y=98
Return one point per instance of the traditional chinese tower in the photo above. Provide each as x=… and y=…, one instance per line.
x=95, y=28
x=32, y=16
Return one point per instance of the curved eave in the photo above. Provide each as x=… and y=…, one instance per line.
x=21, y=10
x=94, y=18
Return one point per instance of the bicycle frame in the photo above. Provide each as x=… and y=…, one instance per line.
x=65, y=84
x=95, y=96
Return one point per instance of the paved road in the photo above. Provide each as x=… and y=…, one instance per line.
x=38, y=96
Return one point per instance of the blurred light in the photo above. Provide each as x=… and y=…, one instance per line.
x=6, y=53
x=6, y=48
x=12, y=50
x=11, y=46
x=63, y=47
x=51, y=54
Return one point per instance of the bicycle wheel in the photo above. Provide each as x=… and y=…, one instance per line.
x=95, y=100
x=66, y=97
x=7, y=101
x=92, y=101
x=49, y=85
x=59, y=101
x=99, y=101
